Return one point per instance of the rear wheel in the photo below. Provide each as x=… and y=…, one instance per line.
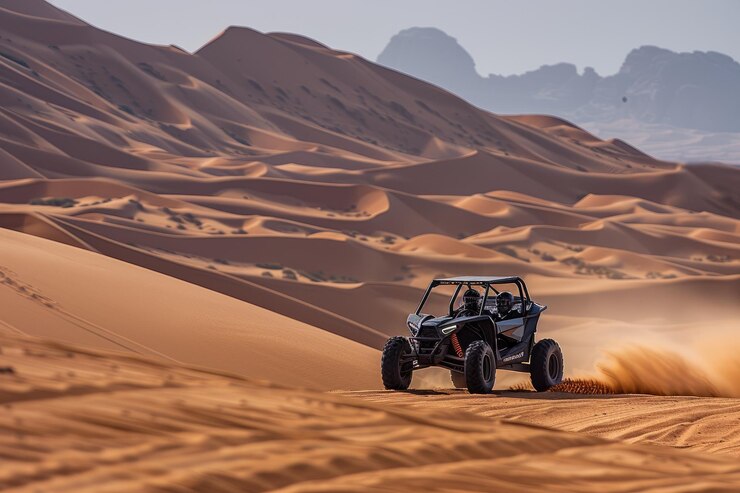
x=395, y=367
x=480, y=368
x=458, y=380
x=546, y=365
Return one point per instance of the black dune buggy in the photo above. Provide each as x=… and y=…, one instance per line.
x=495, y=330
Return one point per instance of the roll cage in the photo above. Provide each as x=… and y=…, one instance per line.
x=432, y=348
x=455, y=340
x=486, y=282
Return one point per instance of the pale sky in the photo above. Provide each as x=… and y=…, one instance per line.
x=504, y=37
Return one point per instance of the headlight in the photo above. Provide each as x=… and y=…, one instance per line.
x=449, y=329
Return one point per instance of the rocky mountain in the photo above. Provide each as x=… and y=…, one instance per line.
x=698, y=91
x=432, y=55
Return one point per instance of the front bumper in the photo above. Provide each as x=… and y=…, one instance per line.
x=433, y=351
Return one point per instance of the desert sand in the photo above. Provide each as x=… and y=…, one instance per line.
x=269, y=209
x=700, y=424
x=81, y=420
x=51, y=290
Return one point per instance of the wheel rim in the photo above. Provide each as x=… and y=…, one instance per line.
x=553, y=367
x=487, y=367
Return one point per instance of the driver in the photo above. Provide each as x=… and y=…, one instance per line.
x=504, y=302
x=471, y=303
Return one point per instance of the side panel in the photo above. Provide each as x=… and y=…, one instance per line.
x=530, y=326
x=533, y=316
x=513, y=328
x=516, y=354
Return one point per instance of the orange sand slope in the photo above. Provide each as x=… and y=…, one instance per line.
x=78, y=420
x=320, y=186
x=700, y=424
x=52, y=290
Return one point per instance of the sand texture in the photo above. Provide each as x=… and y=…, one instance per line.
x=80, y=420
x=188, y=238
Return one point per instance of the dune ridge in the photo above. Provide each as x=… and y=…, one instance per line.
x=331, y=194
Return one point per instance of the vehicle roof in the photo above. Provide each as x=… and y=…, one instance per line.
x=478, y=279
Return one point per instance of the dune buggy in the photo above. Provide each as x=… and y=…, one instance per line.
x=475, y=339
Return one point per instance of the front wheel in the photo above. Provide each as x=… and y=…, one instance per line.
x=546, y=365
x=480, y=368
x=396, y=364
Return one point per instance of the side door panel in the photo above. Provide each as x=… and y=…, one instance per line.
x=513, y=328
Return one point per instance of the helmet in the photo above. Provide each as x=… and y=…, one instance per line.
x=471, y=299
x=504, y=301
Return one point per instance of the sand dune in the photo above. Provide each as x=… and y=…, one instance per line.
x=92, y=421
x=273, y=208
x=331, y=194
x=68, y=294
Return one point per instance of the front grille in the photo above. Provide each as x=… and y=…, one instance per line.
x=427, y=332
x=426, y=340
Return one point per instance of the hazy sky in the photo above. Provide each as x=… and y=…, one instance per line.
x=504, y=37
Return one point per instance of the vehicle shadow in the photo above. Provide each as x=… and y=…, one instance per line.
x=516, y=394
x=556, y=396
x=433, y=391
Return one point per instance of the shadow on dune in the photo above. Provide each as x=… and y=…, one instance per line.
x=429, y=392
x=515, y=394
x=557, y=396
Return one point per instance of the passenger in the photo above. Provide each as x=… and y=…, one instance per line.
x=471, y=304
x=504, y=304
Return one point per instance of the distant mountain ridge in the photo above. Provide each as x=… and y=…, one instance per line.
x=698, y=90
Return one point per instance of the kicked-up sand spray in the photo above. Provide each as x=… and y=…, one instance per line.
x=642, y=370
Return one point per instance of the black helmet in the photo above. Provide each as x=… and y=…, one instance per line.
x=504, y=301
x=471, y=299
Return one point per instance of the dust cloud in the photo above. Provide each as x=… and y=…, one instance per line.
x=641, y=370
